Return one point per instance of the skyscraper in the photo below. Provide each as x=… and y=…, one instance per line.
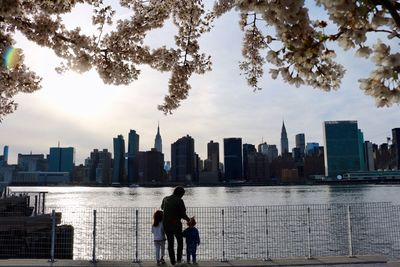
x=5, y=154
x=118, y=176
x=369, y=156
x=342, y=153
x=233, y=158
x=62, y=159
x=248, y=150
x=213, y=155
x=158, y=141
x=284, y=140
x=99, y=167
x=396, y=144
x=183, y=167
x=301, y=142
x=361, y=150
x=133, y=149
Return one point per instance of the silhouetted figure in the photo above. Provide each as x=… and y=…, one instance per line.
x=159, y=236
x=174, y=210
x=192, y=240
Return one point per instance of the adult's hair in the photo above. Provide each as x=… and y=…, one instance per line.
x=179, y=191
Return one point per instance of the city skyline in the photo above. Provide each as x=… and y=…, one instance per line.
x=80, y=111
x=125, y=143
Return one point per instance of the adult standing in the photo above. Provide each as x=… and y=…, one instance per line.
x=174, y=211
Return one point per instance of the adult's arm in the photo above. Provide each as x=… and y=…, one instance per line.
x=162, y=204
x=182, y=210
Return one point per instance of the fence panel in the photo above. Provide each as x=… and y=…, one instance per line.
x=253, y=232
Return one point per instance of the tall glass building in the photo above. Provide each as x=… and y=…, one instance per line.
x=342, y=152
x=132, y=157
x=233, y=158
x=396, y=143
x=183, y=166
x=118, y=173
x=62, y=159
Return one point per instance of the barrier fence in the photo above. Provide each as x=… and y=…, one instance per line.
x=228, y=233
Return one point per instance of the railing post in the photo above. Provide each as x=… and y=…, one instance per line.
x=53, y=235
x=36, y=207
x=43, y=202
x=136, y=260
x=266, y=233
x=38, y=210
x=94, y=237
x=349, y=232
x=309, y=233
x=223, y=237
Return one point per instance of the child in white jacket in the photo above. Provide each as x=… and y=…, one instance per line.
x=159, y=236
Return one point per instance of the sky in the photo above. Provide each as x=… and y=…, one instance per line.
x=79, y=110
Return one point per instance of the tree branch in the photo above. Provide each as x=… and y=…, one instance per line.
x=392, y=8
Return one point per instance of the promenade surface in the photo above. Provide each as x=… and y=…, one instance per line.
x=359, y=261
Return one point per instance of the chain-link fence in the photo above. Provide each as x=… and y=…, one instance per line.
x=227, y=233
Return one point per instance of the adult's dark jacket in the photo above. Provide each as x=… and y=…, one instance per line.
x=174, y=210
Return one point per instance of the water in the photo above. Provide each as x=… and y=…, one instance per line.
x=94, y=197
x=256, y=221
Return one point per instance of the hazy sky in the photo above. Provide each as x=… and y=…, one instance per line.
x=78, y=110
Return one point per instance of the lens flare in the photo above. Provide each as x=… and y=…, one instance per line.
x=12, y=57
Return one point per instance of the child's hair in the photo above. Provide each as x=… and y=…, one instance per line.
x=191, y=222
x=157, y=217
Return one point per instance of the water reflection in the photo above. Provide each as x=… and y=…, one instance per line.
x=217, y=196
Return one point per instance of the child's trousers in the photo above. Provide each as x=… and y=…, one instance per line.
x=191, y=252
x=159, y=246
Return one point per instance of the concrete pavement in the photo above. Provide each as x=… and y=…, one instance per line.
x=368, y=261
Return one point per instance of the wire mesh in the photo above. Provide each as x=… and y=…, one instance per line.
x=252, y=232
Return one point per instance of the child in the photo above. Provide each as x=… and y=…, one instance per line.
x=159, y=236
x=192, y=240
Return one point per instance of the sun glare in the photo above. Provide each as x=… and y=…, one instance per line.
x=79, y=95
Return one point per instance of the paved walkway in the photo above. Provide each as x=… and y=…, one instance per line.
x=359, y=261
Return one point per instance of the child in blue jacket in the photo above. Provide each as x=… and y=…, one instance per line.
x=192, y=240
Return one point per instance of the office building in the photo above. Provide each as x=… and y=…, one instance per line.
x=301, y=143
x=284, y=140
x=233, y=158
x=118, y=176
x=342, y=153
x=213, y=155
x=311, y=148
x=132, y=161
x=257, y=167
x=99, y=167
x=361, y=150
x=183, y=166
x=31, y=162
x=248, y=150
x=396, y=144
x=5, y=155
x=151, y=167
x=62, y=159
x=369, y=156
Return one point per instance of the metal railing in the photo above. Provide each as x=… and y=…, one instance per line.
x=228, y=233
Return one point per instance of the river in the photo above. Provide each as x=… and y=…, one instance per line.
x=94, y=197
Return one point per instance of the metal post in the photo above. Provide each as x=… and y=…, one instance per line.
x=223, y=237
x=309, y=233
x=43, y=201
x=94, y=238
x=266, y=232
x=136, y=260
x=53, y=235
x=36, y=208
x=349, y=230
